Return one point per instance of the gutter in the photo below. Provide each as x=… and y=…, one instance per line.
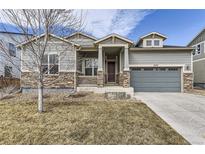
x=161, y=49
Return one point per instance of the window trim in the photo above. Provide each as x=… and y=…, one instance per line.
x=48, y=63
x=198, y=51
x=10, y=69
x=150, y=44
x=84, y=67
x=195, y=48
x=11, y=44
x=154, y=42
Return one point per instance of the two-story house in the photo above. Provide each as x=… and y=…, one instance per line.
x=9, y=55
x=198, y=43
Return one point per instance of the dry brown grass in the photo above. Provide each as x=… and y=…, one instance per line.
x=82, y=120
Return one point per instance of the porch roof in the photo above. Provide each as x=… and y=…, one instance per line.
x=114, y=35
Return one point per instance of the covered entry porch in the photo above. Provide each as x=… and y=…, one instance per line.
x=107, y=64
x=113, y=65
x=102, y=67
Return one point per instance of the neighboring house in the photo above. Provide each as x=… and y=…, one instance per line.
x=198, y=43
x=9, y=55
x=114, y=63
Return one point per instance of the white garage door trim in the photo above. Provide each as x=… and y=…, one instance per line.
x=166, y=66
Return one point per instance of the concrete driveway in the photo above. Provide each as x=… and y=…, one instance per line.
x=184, y=112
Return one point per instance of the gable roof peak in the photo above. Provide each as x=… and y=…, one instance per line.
x=81, y=33
x=115, y=35
x=151, y=33
x=154, y=33
x=42, y=35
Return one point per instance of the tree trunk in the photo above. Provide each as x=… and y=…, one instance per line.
x=40, y=97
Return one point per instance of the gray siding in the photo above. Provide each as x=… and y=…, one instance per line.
x=67, y=58
x=202, y=54
x=198, y=39
x=199, y=71
x=66, y=52
x=14, y=39
x=82, y=40
x=160, y=57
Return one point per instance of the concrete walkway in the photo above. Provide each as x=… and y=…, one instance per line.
x=184, y=112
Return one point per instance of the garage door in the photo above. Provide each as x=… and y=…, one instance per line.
x=156, y=79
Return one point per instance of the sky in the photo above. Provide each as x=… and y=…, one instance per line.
x=180, y=26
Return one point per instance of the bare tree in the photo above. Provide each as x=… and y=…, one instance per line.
x=38, y=25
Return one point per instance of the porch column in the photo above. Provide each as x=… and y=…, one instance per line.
x=100, y=75
x=100, y=61
x=126, y=71
x=126, y=59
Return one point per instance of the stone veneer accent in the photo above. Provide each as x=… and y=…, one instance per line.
x=100, y=79
x=87, y=79
x=187, y=81
x=61, y=80
x=124, y=79
x=121, y=79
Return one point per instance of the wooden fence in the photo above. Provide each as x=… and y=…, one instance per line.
x=7, y=81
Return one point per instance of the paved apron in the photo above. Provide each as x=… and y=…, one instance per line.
x=184, y=112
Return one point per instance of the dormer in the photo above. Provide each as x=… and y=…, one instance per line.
x=151, y=40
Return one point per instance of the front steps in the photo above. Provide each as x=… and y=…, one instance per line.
x=107, y=89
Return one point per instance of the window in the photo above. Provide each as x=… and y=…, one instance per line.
x=160, y=69
x=7, y=71
x=137, y=69
x=88, y=67
x=91, y=66
x=53, y=64
x=148, y=69
x=198, y=49
x=173, y=69
x=45, y=64
x=149, y=43
x=50, y=64
x=12, y=50
x=156, y=42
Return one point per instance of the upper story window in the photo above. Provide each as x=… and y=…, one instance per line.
x=149, y=43
x=90, y=66
x=8, y=71
x=12, y=50
x=198, y=49
x=153, y=43
x=50, y=64
x=156, y=42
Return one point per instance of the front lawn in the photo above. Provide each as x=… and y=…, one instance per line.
x=82, y=120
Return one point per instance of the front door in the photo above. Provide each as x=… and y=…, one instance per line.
x=111, y=71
